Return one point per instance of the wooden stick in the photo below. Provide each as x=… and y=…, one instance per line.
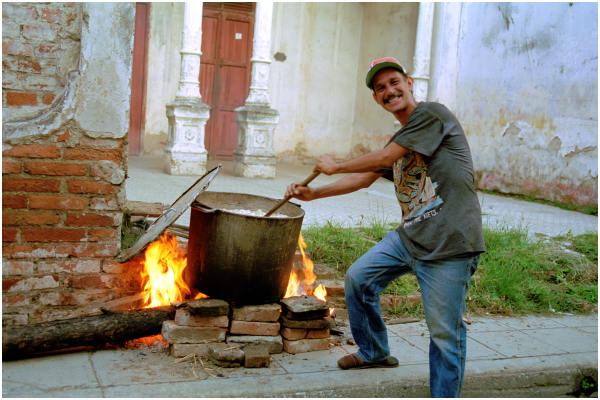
x=287, y=198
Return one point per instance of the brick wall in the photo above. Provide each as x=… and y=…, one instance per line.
x=63, y=189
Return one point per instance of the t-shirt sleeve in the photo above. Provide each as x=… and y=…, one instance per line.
x=422, y=133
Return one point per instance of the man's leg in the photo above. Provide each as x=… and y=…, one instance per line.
x=365, y=279
x=444, y=286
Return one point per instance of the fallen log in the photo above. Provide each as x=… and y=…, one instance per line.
x=95, y=331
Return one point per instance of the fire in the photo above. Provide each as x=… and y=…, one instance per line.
x=163, y=272
x=299, y=287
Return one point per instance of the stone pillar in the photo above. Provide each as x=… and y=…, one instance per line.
x=422, y=58
x=187, y=115
x=254, y=156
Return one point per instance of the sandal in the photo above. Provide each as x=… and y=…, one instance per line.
x=352, y=361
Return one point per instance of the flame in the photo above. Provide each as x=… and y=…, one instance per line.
x=163, y=272
x=299, y=287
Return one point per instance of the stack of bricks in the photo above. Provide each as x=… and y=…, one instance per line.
x=256, y=326
x=305, y=324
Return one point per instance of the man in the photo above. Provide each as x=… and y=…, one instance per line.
x=440, y=237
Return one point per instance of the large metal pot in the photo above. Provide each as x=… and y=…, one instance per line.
x=240, y=258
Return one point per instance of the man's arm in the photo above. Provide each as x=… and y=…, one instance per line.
x=370, y=162
x=345, y=185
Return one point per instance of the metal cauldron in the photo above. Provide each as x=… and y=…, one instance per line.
x=239, y=258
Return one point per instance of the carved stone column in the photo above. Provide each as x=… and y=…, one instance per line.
x=254, y=156
x=187, y=115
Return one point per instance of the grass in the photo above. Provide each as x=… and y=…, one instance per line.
x=585, y=209
x=514, y=277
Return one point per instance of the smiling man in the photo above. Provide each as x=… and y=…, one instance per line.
x=440, y=236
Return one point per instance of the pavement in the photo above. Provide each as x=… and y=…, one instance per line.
x=531, y=356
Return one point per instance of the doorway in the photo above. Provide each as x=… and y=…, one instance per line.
x=227, y=32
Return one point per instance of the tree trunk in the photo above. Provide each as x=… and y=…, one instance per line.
x=97, y=330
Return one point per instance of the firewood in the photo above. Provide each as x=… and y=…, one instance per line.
x=96, y=331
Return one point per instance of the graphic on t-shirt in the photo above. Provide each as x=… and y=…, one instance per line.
x=415, y=191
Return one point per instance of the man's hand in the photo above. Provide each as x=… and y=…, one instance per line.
x=300, y=192
x=326, y=165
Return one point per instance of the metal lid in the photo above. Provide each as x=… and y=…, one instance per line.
x=170, y=215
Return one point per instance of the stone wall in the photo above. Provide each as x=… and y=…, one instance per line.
x=64, y=163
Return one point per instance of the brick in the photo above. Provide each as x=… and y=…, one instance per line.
x=47, y=49
x=29, y=218
x=227, y=357
x=91, y=187
x=274, y=343
x=254, y=328
x=199, y=349
x=10, y=320
x=55, y=168
x=10, y=234
x=51, y=15
x=301, y=305
x=34, y=82
x=308, y=324
x=108, y=171
x=28, y=251
x=88, y=250
x=53, y=235
x=16, y=300
x=93, y=154
x=21, y=99
x=48, y=98
x=114, y=267
x=305, y=345
x=257, y=356
x=104, y=203
x=16, y=48
x=33, y=151
x=65, y=136
x=93, y=219
x=101, y=143
x=57, y=202
x=184, y=317
x=19, y=11
x=96, y=281
x=57, y=299
x=294, y=334
x=14, y=201
x=99, y=235
x=318, y=333
x=29, y=66
x=174, y=333
x=208, y=307
x=33, y=283
x=17, y=267
x=11, y=167
x=30, y=185
x=257, y=313
x=41, y=32
x=71, y=266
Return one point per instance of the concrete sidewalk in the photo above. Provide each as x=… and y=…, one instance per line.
x=507, y=357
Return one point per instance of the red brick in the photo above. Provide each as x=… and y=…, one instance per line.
x=17, y=267
x=19, y=11
x=11, y=167
x=318, y=333
x=57, y=202
x=14, y=201
x=64, y=136
x=39, y=32
x=10, y=234
x=91, y=187
x=53, y=235
x=305, y=345
x=257, y=313
x=87, y=282
x=29, y=218
x=29, y=66
x=93, y=219
x=55, y=168
x=16, y=300
x=50, y=15
x=21, y=99
x=294, y=334
x=31, y=283
x=48, y=98
x=101, y=143
x=33, y=151
x=257, y=356
x=57, y=299
x=185, y=318
x=29, y=251
x=75, y=266
x=110, y=249
x=99, y=235
x=48, y=49
x=104, y=203
x=30, y=185
x=254, y=328
x=16, y=48
x=93, y=154
x=191, y=334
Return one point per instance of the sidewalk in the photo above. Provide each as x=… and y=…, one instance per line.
x=507, y=357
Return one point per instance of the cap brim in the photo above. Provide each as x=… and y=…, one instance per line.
x=373, y=71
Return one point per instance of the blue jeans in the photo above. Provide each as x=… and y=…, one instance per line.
x=444, y=285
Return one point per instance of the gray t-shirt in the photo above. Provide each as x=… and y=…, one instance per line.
x=435, y=186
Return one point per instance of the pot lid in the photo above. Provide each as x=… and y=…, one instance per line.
x=170, y=215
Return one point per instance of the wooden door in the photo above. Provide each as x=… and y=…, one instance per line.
x=227, y=31
x=137, y=105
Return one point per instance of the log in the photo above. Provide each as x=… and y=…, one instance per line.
x=95, y=331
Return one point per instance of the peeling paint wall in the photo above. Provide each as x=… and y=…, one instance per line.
x=525, y=80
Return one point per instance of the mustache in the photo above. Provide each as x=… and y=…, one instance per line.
x=392, y=96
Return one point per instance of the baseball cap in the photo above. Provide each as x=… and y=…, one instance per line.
x=379, y=64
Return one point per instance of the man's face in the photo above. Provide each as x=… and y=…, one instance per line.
x=392, y=90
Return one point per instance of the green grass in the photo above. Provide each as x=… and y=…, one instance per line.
x=514, y=277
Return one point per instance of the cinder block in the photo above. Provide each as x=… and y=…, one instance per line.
x=305, y=345
x=174, y=333
x=257, y=356
x=257, y=313
x=254, y=328
x=184, y=317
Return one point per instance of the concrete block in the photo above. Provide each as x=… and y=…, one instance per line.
x=274, y=343
x=185, y=317
x=207, y=307
x=305, y=345
x=254, y=328
x=257, y=313
x=174, y=333
x=257, y=356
